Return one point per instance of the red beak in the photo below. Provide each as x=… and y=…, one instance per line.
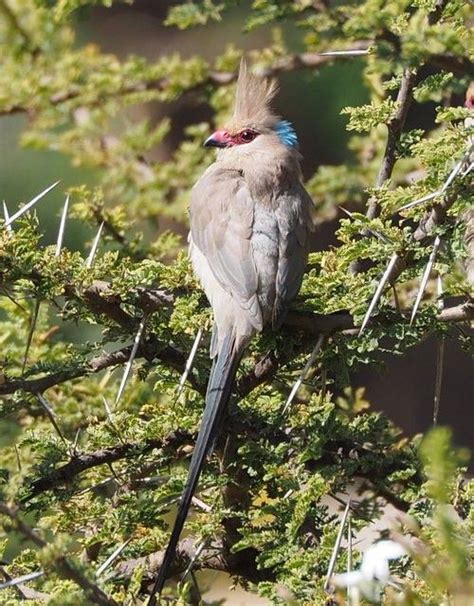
x=220, y=138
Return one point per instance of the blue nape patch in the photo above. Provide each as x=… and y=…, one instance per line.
x=286, y=132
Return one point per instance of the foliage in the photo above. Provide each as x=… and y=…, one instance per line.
x=89, y=475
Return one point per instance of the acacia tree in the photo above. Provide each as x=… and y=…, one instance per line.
x=93, y=461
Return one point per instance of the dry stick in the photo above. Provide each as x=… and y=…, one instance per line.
x=424, y=279
x=337, y=546
x=61, y=563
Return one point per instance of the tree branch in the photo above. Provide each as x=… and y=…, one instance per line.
x=213, y=557
x=63, y=566
x=394, y=128
x=316, y=324
x=308, y=60
x=81, y=462
x=307, y=322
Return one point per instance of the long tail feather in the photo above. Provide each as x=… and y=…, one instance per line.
x=217, y=398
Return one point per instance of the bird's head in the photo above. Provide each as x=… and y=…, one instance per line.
x=253, y=125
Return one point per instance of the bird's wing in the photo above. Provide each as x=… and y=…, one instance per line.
x=295, y=223
x=222, y=214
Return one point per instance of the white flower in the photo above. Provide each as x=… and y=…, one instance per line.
x=374, y=572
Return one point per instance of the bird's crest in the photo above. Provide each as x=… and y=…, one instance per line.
x=253, y=98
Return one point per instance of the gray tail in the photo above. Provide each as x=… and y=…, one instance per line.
x=217, y=398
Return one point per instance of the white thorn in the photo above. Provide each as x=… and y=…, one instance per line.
x=6, y=216
x=304, y=372
x=23, y=579
x=189, y=361
x=337, y=546
x=62, y=226
x=420, y=200
x=375, y=233
x=128, y=365
x=29, y=204
x=452, y=175
x=424, y=279
x=112, y=557
x=375, y=299
x=450, y=178
x=51, y=414
x=468, y=169
x=440, y=291
x=349, y=52
x=204, y=506
x=197, y=553
x=108, y=412
x=95, y=244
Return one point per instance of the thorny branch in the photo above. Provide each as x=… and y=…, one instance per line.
x=309, y=60
x=265, y=369
x=397, y=121
x=64, y=567
x=83, y=461
x=394, y=127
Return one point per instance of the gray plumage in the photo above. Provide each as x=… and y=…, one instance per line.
x=248, y=243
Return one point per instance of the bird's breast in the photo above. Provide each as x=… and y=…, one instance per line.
x=264, y=243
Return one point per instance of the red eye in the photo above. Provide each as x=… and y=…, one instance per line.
x=247, y=135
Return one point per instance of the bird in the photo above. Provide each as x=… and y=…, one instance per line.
x=250, y=229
